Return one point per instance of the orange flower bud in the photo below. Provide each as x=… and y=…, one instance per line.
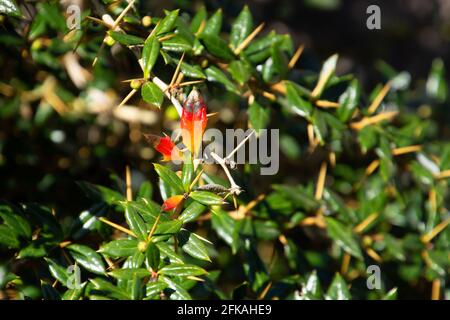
x=165, y=146
x=172, y=202
x=193, y=121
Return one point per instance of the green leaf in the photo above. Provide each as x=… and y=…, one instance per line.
x=193, y=245
x=125, y=39
x=10, y=8
x=368, y=138
x=241, y=27
x=180, y=293
x=240, y=71
x=258, y=116
x=177, y=44
x=192, y=71
x=191, y=212
x=214, y=24
x=8, y=238
x=436, y=85
x=150, y=53
x=206, y=198
x=129, y=273
x=187, y=174
x=226, y=228
x=18, y=224
x=136, y=223
x=167, y=23
x=87, y=258
x=391, y=295
x=109, y=290
x=145, y=190
x=260, y=49
x=298, y=105
x=197, y=19
x=38, y=248
x=169, y=177
x=88, y=220
x=57, y=271
x=338, y=289
x=216, y=75
x=312, y=290
x=74, y=294
x=153, y=289
x=153, y=256
x=328, y=68
x=168, y=227
x=120, y=248
x=182, y=270
x=167, y=252
x=343, y=237
x=279, y=61
x=349, y=101
x=152, y=94
x=217, y=46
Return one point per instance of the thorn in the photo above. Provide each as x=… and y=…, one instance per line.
x=249, y=38
x=296, y=56
x=128, y=97
x=380, y=96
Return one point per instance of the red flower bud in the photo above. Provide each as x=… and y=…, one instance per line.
x=165, y=146
x=193, y=121
x=172, y=202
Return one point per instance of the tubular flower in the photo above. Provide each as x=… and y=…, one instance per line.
x=193, y=121
x=172, y=202
x=165, y=146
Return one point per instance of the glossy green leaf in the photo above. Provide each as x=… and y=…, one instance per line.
x=150, y=54
x=109, y=289
x=338, y=289
x=17, y=223
x=136, y=223
x=192, y=212
x=167, y=23
x=348, y=101
x=129, y=273
x=240, y=71
x=58, y=272
x=120, y=248
x=7, y=237
x=125, y=39
x=216, y=75
x=343, y=237
x=153, y=256
x=10, y=8
x=214, y=24
x=87, y=258
x=206, y=198
x=176, y=44
x=169, y=177
x=152, y=94
x=217, y=46
x=182, y=270
x=258, y=116
x=180, y=293
x=297, y=104
x=241, y=27
x=193, y=245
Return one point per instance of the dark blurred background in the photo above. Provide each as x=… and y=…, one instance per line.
x=412, y=34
